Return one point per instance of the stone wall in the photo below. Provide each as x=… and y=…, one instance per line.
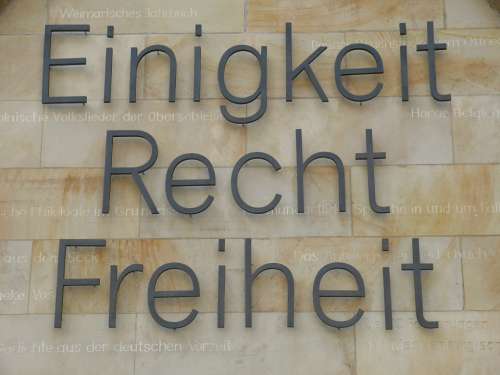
x=441, y=178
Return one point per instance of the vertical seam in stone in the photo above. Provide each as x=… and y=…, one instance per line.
x=445, y=21
x=351, y=214
x=245, y=15
x=452, y=131
x=28, y=294
x=139, y=219
x=135, y=342
x=355, y=360
x=42, y=136
x=460, y=245
x=44, y=120
x=47, y=7
x=245, y=129
x=143, y=71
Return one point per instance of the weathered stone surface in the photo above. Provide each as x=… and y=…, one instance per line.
x=481, y=269
x=21, y=68
x=428, y=200
x=471, y=13
x=62, y=203
x=324, y=16
x=21, y=126
x=23, y=16
x=465, y=342
x=76, y=137
x=264, y=348
x=422, y=129
x=470, y=65
x=258, y=184
x=476, y=128
x=15, y=261
x=30, y=345
x=151, y=16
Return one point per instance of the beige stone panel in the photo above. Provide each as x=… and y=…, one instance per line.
x=157, y=66
x=428, y=200
x=481, y=268
x=76, y=137
x=411, y=133
x=258, y=185
x=83, y=345
x=151, y=16
x=21, y=69
x=465, y=343
x=268, y=347
x=242, y=74
x=470, y=65
x=470, y=13
x=304, y=44
x=200, y=255
x=388, y=45
x=442, y=288
x=81, y=263
x=15, y=261
x=62, y=203
x=476, y=129
x=88, y=80
x=203, y=258
x=325, y=16
x=23, y=16
x=21, y=127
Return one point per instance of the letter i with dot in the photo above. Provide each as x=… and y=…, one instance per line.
x=386, y=273
x=403, y=56
x=221, y=287
x=108, y=72
x=197, y=66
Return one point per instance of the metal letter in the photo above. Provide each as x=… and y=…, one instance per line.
x=318, y=294
x=301, y=167
x=250, y=278
x=171, y=183
x=417, y=269
x=291, y=73
x=221, y=297
x=403, y=53
x=63, y=282
x=135, y=59
x=108, y=74
x=110, y=171
x=114, y=287
x=49, y=62
x=386, y=273
x=234, y=182
x=431, y=47
x=340, y=72
x=154, y=294
x=260, y=91
x=197, y=67
x=370, y=158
